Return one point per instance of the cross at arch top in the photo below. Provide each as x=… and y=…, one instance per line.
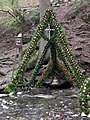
x=49, y=30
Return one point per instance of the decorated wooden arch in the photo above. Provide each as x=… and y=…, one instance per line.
x=60, y=55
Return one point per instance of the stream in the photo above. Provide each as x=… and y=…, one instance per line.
x=41, y=104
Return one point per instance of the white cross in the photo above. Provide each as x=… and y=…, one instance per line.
x=49, y=31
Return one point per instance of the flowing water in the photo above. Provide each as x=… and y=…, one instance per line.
x=41, y=104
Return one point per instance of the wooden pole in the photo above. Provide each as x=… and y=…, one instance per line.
x=43, y=5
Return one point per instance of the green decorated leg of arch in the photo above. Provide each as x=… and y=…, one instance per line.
x=51, y=64
x=45, y=73
x=71, y=59
x=66, y=48
x=67, y=64
x=38, y=64
x=18, y=76
x=23, y=65
x=84, y=96
x=62, y=67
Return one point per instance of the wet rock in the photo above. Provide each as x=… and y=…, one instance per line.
x=4, y=106
x=83, y=114
x=11, y=94
x=26, y=96
x=88, y=116
x=8, y=117
x=19, y=93
x=69, y=112
x=73, y=96
x=3, y=95
x=44, y=96
x=4, y=101
x=2, y=73
x=22, y=118
x=75, y=115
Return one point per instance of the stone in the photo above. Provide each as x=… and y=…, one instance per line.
x=83, y=114
x=75, y=115
x=3, y=95
x=19, y=93
x=55, y=82
x=88, y=116
x=44, y=96
x=4, y=106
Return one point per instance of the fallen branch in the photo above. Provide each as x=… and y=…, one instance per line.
x=10, y=12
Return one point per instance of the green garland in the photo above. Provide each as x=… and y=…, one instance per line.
x=22, y=67
x=60, y=48
x=62, y=67
x=45, y=73
x=39, y=63
x=84, y=96
x=64, y=48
